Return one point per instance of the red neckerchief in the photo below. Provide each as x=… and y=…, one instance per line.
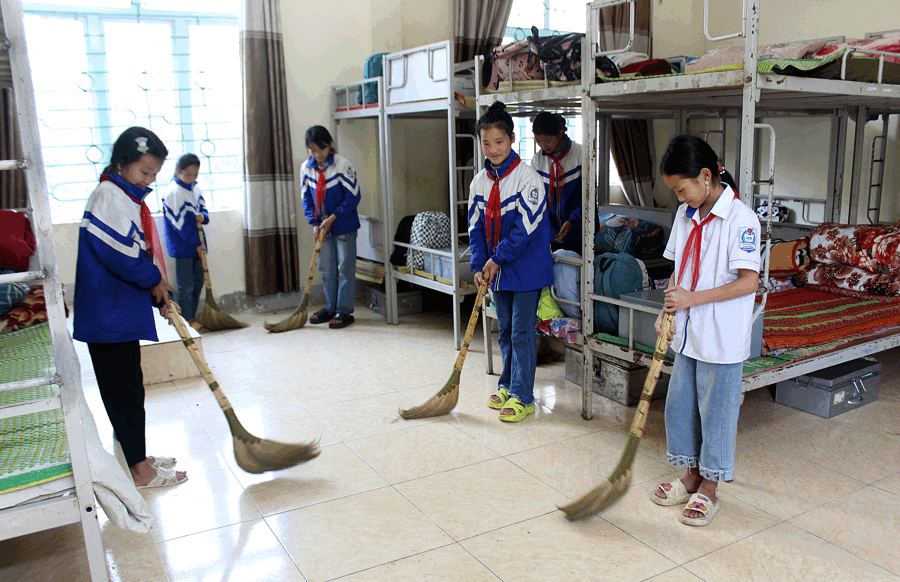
x=692, y=250
x=557, y=175
x=320, y=192
x=492, y=220
x=154, y=249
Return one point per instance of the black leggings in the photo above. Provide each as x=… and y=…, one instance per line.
x=121, y=382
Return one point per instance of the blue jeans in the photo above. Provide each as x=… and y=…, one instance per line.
x=189, y=278
x=337, y=263
x=702, y=408
x=517, y=316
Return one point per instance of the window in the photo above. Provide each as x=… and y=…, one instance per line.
x=551, y=17
x=171, y=66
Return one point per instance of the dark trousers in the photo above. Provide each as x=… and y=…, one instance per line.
x=121, y=382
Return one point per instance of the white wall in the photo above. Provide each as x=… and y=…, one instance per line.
x=802, y=145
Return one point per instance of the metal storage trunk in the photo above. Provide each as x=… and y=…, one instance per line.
x=409, y=303
x=832, y=391
x=645, y=332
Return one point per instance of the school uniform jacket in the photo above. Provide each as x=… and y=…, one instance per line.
x=182, y=204
x=523, y=252
x=567, y=207
x=114, y=273
x=341, y=194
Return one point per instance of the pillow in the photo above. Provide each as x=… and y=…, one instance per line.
x=624, y=234
x=788, y=258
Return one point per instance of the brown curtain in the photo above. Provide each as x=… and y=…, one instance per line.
x=12, y=183
x=270, y=232
x=480, y=25
x=631, y=141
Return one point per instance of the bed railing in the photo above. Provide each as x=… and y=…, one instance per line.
x=726, y=36
x=594, y=9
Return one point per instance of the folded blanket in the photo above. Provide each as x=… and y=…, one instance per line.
x=875, y=249
x=730, y=55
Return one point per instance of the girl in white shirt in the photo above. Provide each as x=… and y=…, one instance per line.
x=715, y=244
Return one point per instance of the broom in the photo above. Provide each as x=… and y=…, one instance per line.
x=444, y=401
x=253, y=454
x=617, y=483
x=297, y=319
x=211, y=317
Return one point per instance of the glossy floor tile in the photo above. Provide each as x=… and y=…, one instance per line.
x=466, y=497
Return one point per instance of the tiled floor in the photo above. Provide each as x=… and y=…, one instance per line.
x=464, y=497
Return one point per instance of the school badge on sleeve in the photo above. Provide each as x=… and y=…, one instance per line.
x=748, y=239
x=533, y=196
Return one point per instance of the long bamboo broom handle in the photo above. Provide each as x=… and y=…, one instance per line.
x=470, y=329
x=188, y=342
x=312, y=270
x=662, y=345
x=206, y=279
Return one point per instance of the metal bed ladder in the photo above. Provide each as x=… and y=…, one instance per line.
x=55, y=512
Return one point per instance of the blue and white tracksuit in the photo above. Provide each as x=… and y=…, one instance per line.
x=114, y=272
x=567, y=207
x=337, y=259
x=526, y=265
x=182, y=204
x=113, y=306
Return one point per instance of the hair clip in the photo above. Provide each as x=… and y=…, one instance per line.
x=142, y=144
x=721, y=169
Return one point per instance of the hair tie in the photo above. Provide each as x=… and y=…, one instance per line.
x=721, y=169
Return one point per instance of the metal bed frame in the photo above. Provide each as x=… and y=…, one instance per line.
x=751, y=95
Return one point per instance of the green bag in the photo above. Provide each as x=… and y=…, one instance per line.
x=548, y=308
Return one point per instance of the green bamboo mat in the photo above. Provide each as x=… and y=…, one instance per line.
x=33, y=447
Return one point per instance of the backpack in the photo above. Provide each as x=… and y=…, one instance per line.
x=512, y=61
x=430, y=230
x=614, y=275
x=373, y=68
x=561, y=53
x=398, y=257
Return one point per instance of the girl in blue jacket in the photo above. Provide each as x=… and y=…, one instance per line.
x=559, y=166
x=117, y=283
x=185, y=210
x=330, y=194
x=510, y=239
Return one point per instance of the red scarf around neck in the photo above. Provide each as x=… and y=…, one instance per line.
x=320, y=192
x=692, y=250
x=557, y=175
x=492, y=220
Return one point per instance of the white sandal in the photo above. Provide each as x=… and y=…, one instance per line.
x=701, y=503
x=162, y=462
x=164, y=478
x=675, y=491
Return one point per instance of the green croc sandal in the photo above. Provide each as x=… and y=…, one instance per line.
x=502, y=395
x=521, y=410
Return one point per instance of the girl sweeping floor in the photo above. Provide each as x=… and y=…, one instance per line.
x=510, y=239
x=330, y=195
x=117, y=283
x=185, y=210
x=559, y=166
x=715, y=245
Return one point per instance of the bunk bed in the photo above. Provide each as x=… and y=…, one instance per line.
x=749, y=90
x=360, y=101
x=425, y=83
x=52, y=464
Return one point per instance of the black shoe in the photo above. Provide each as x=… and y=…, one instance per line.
x=321, y=316
x=340, y=320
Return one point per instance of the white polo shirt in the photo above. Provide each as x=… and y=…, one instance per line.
x=717, y=332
